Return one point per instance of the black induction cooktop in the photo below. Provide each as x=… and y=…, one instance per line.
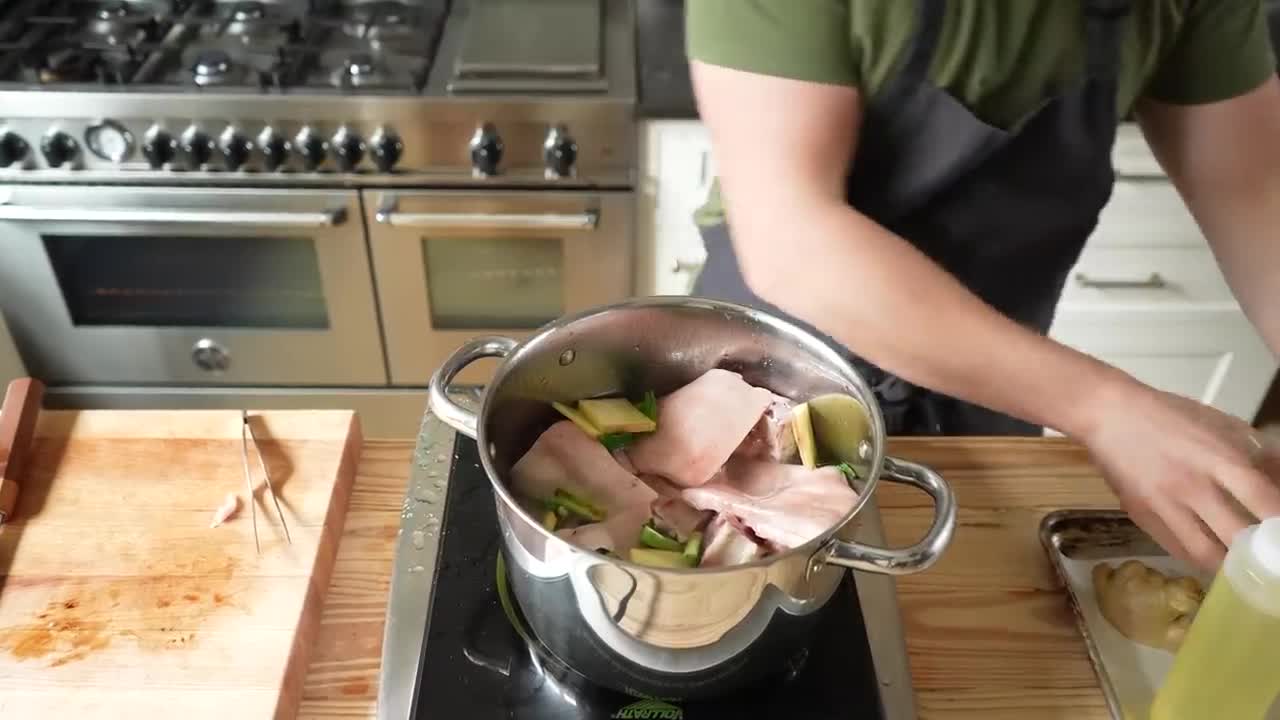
x=475, y=664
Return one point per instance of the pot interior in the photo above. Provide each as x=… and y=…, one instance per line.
x=659, y=344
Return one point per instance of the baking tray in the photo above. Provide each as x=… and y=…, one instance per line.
x=1076, y=541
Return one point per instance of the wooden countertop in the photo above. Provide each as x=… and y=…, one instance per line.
x=989, y=632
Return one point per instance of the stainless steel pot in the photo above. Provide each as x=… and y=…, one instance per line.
x=655, y=632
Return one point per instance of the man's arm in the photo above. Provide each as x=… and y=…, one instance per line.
x=1224, y=158
x=783, y=148
x=804, y=249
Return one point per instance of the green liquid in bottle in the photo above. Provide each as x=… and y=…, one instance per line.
x=1229, y=665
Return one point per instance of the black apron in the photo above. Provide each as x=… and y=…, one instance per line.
x=1006, y=212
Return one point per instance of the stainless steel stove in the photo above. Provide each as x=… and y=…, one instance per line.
x=391, y=92
x=305, y=203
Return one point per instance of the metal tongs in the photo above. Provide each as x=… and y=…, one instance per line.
x=246, y=433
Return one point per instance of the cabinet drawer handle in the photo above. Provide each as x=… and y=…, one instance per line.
x=1152, y=282
x=684, y=266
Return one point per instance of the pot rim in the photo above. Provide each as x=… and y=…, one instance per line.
x=825, y=353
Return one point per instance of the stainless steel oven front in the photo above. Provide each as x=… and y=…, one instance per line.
x=451, y=265
x=189, y=286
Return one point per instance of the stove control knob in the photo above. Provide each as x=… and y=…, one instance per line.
x=158, y=148
x=59, y=148
x=486, y=151
x=197, y=147
x=386, y=149
x=312, y=148
x=348, y=149
x=13, y=148
x=235, y=148
x=275, y=149
x=560, y=153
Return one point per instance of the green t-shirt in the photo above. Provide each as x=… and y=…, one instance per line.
x=1001, y=58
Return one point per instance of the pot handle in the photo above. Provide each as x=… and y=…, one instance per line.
x=443, y=406
x=923, y=554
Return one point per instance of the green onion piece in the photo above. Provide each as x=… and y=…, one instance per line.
x=562, y=512
x=578, y=506
x=650, y=537
x=649, y=405
x=616, y=441
x=658, y=558
x=549, y=520
x=848, y=471
x=693, y=549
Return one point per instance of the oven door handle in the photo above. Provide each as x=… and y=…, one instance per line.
x=588, y=220
x=327, y=218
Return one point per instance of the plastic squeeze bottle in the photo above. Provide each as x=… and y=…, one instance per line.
x=1229, y=664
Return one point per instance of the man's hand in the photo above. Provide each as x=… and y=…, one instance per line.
x=1185, y=472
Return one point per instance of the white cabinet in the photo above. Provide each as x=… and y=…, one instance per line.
x=675, y=175
x=1209, y=352
x=1148, y=297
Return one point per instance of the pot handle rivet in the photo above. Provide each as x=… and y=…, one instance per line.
x=445, y=407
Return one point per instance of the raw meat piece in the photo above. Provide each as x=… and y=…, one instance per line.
x=624, y=461
x=661, y=486
x=230, y=504
x=726, y=545
x=565, y=457
x=616, y=533
x=699, y=427
x=772, y=437
x=678, y=518
x=785, y=504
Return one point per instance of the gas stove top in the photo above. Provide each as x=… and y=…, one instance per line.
x=353, y=46
x=396, y=92
x=457, y=646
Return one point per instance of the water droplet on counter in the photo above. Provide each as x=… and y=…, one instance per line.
x=567, y=357
x=428, y=496
x=433, y=473
x=419, y=539
x=417, y=569
x=439, y=458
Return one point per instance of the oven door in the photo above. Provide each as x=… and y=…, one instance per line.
x=454, y=265
x=189, y=286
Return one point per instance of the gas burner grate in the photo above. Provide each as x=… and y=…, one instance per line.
x=82, y=41
x=347, y=46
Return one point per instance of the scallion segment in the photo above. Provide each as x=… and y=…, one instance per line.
x=575, y=505
x=650, y=537
x=692, y=552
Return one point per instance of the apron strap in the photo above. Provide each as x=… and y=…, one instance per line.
x=931, y=14
x=1103, y=25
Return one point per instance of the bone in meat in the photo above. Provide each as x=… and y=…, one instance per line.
x=699, y=427
x=788, y=505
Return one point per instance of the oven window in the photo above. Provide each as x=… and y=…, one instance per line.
x=479, y=283
x=253, y=282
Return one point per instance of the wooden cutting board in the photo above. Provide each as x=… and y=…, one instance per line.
x=117, y=599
